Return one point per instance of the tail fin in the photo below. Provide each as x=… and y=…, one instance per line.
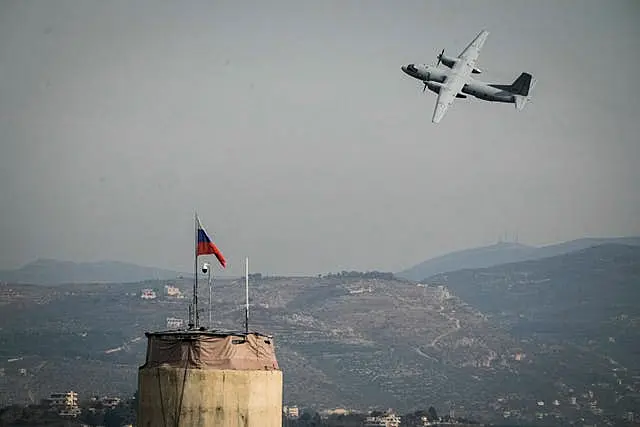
x=521, y=85
x=520, y=89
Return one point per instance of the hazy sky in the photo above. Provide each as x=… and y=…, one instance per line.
x=291, y=129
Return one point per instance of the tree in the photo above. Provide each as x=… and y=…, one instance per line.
x=433, y=415
x=317, y=421
x=113, y=418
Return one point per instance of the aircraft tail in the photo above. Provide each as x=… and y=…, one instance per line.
x=521, y=85
x=520, y=89
x=520, y=101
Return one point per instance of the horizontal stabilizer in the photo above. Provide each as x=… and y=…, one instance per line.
x=520, y=101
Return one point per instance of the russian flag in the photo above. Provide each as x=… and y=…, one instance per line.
x=204, y=245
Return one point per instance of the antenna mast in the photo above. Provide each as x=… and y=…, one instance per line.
x=209, y=268
x=246, y=286
x=195, y=274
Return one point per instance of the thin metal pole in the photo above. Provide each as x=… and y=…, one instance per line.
x=209, y=271
x=195, y=271
x=246, y=285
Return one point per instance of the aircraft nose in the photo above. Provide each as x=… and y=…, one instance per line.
x=410, y=69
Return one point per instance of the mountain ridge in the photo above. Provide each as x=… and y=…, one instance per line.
x=563, y=328
x=47, y=271
x=503, y=253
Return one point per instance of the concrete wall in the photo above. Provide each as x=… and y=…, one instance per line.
x=178, y=397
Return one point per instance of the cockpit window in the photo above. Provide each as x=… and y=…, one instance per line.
x=412, y=68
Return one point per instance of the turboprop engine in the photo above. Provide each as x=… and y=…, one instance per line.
x=450, y=62
x=436, y=86
x=433, y=86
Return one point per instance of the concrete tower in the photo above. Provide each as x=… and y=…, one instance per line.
x=206, y=378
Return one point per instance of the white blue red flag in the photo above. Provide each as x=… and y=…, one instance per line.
x=204, y=245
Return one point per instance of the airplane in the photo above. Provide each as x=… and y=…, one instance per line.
x=458, y=83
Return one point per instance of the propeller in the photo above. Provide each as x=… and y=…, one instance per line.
x=440, y=57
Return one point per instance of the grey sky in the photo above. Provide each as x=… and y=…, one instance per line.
x=291, y=129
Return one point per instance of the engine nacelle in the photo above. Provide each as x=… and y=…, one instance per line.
x=434, y=86
x=448, y=61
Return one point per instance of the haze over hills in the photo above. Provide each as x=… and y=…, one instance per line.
x=485, y=341
x=588, y=295
x=580, y=308
x=54, y=272
x=503, y=253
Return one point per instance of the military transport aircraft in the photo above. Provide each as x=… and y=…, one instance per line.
x=458, y=83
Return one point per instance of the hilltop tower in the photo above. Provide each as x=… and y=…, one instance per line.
x=206, y=378
x=202, y=377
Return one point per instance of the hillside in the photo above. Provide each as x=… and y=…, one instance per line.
x=555, y=329
x=579, y=283
x=503, y=253
x=580, y=306
x=500, y=253
x=53, y=272
x=340, y=340
x=589, y=294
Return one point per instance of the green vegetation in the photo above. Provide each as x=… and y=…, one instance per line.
x=361, y=275
x=490, y=342
x=93, y=414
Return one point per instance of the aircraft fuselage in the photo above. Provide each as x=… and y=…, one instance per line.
x=475, y=88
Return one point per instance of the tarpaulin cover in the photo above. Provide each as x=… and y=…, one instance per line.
x=202, y=351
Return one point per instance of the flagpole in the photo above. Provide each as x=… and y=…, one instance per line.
x=210, y=282
x=203, y=246
x=195, y=272
x=246, y=285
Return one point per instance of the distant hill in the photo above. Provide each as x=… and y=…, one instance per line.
x=559, y=328
x=53, y=272
x=589, y=295
x=503, y=253
x=485, y=256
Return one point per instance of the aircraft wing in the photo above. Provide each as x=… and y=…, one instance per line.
x=459, y=76
x=470, y=53
x=446, y=96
